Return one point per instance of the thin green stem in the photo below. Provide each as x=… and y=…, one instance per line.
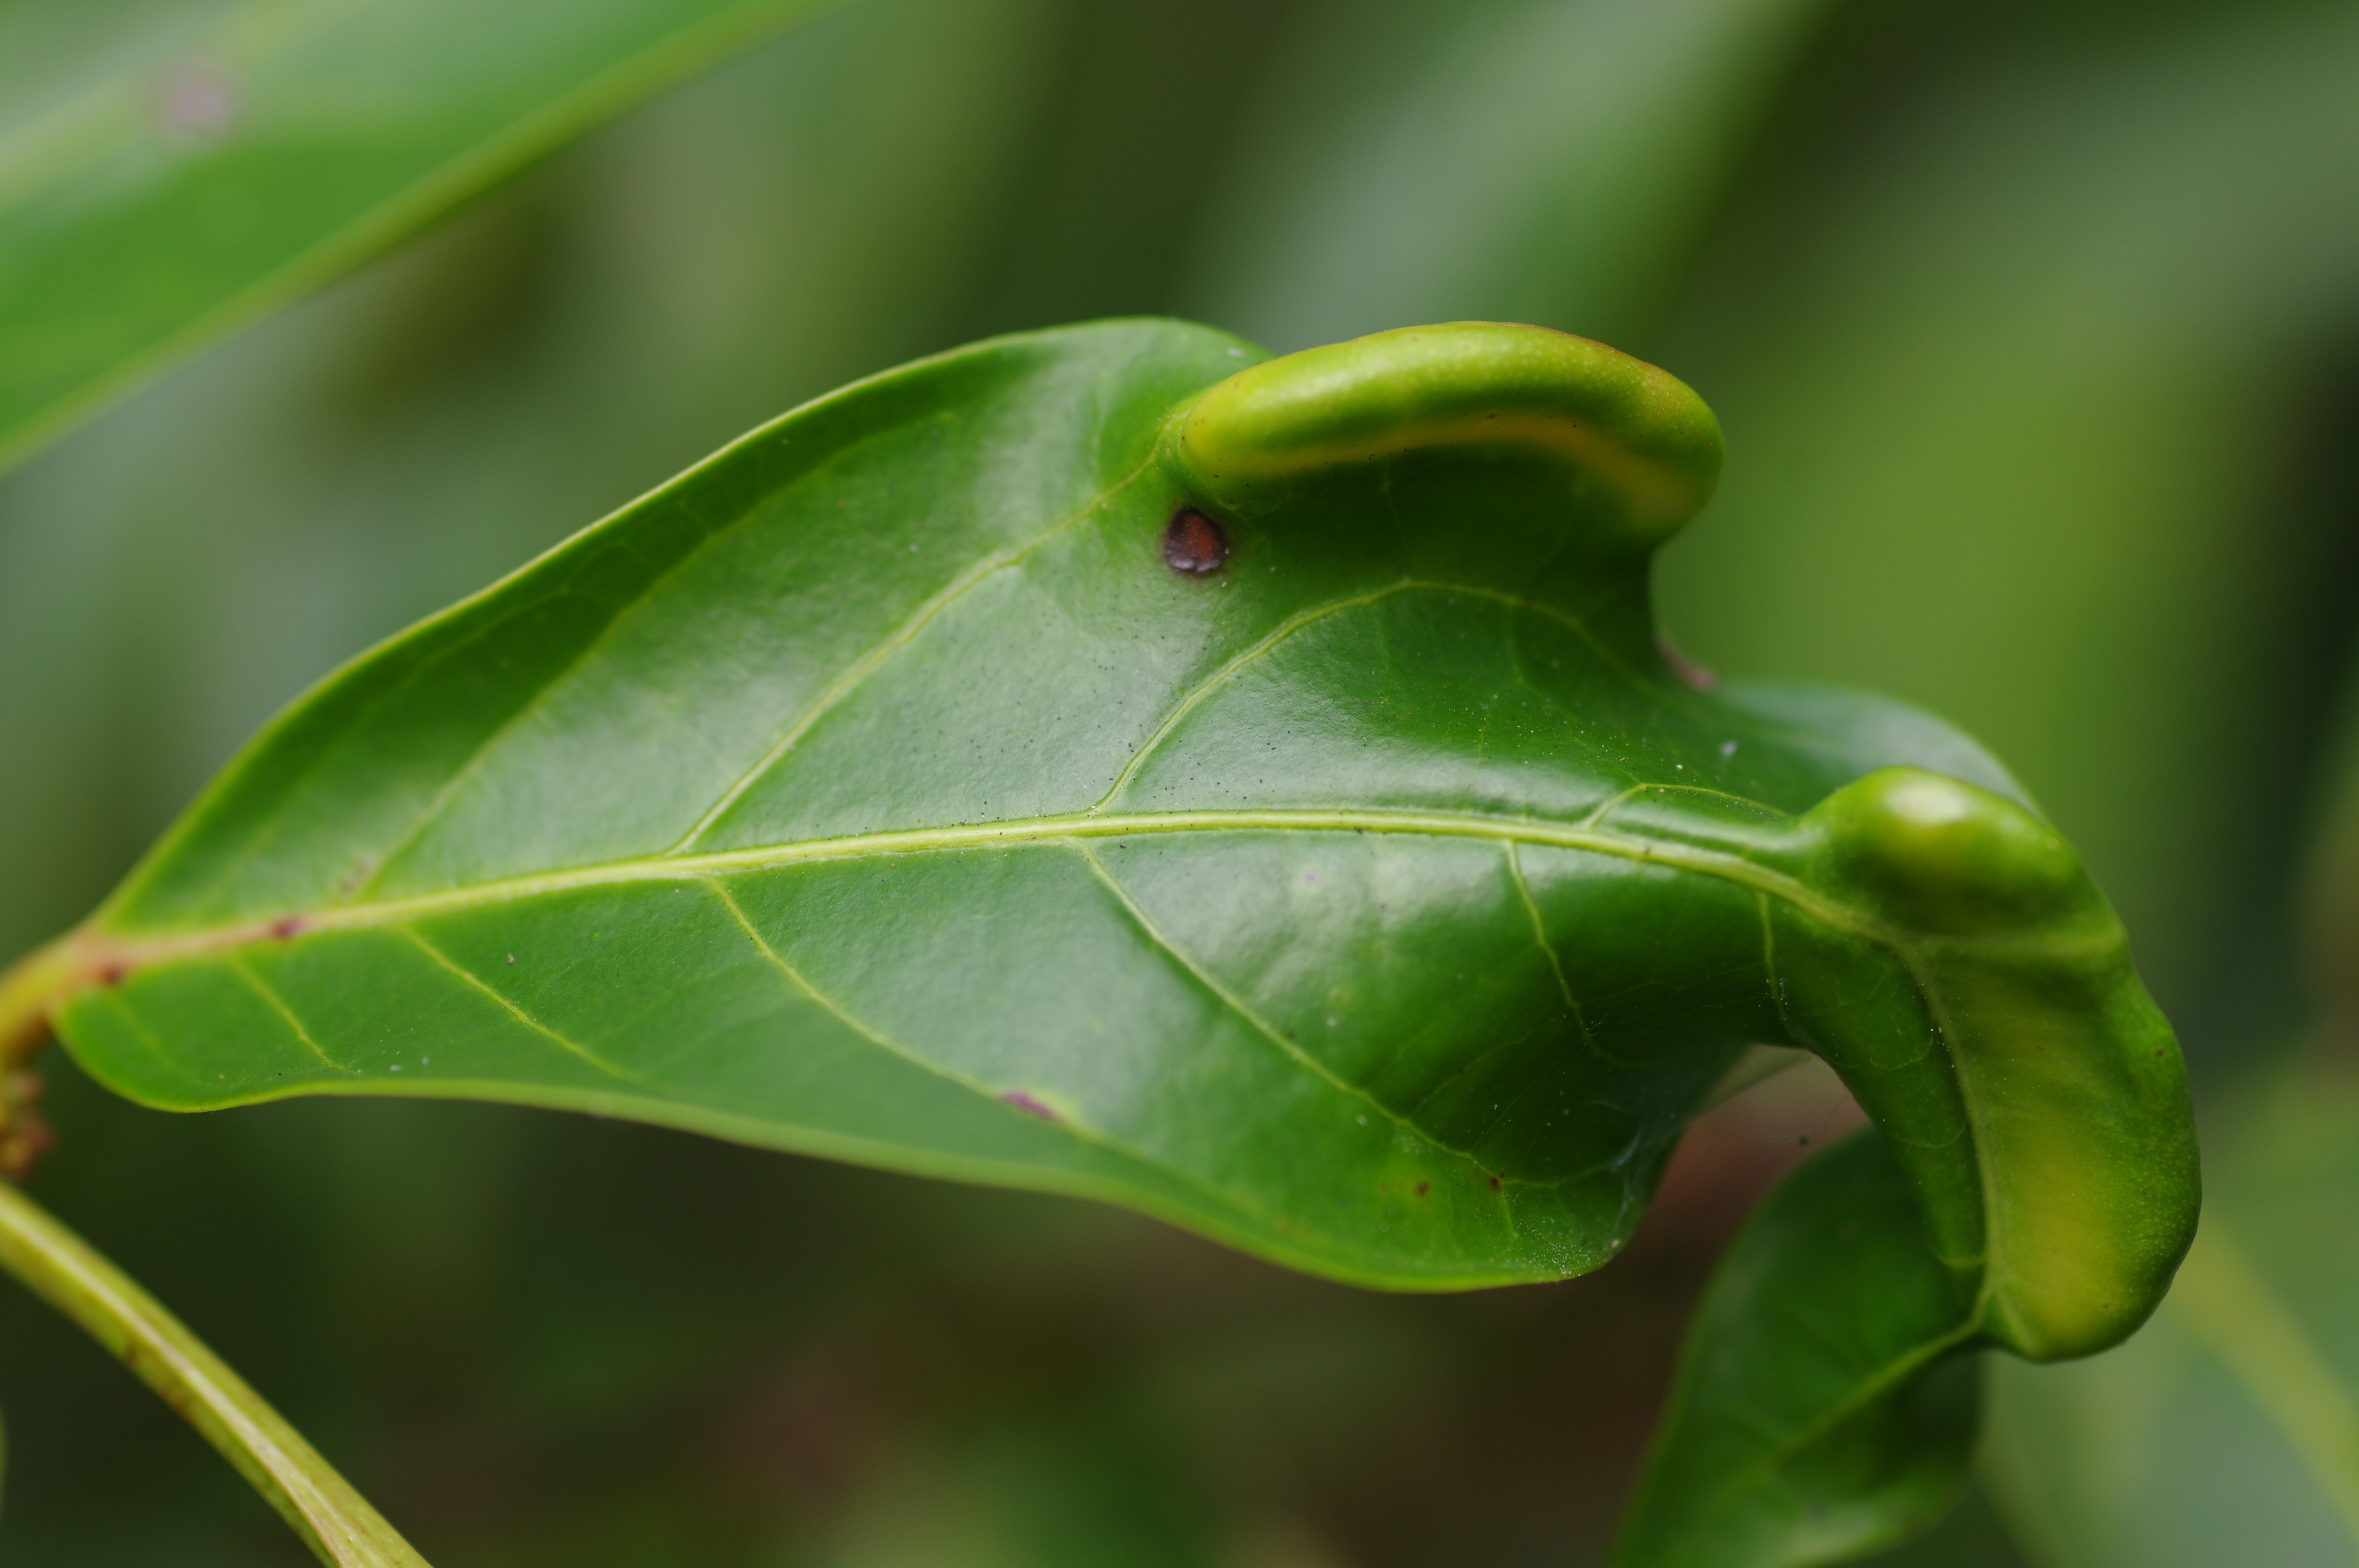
x=333, y=1520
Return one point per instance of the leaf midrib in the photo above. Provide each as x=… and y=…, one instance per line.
x=194, y=942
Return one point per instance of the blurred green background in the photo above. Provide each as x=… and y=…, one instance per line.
x=2035, y=331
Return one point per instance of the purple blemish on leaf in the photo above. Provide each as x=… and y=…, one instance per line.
x=198, y=103
x=1686, y=669
x=1194, y=544
x=1027, y=1105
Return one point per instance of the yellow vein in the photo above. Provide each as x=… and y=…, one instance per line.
x=538, y=703
x=1770, y=965
x=1296, y=622
x=1615, y=803
x=92, y=950
x=1968, y=1128
x=1541, y=937
x=1228, y=671
x=270, y=994
x=1481, y=748
x=908, y=631
x=128, y=1016
x=1237, y=1005
x=1874, y=1386
x=1565, y=617
x=680, y=490
x=470, y=978
x=836, y=1009
x=884, y=1042
x=1499, y=1113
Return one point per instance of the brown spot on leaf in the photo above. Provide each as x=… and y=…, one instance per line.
x=1423, y=1188
x=1027, y=1105
x=287, y=927
x=1194, y=543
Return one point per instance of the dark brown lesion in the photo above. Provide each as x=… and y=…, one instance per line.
x=1193, y=544
x=29, y=989
x=24, y=1134
x=36, y=987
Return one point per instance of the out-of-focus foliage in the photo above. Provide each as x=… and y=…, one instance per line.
x=169, y=173
x=2032, y=328
x=1524, y=160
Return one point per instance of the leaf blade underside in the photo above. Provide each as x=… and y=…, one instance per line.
x=1381, y=903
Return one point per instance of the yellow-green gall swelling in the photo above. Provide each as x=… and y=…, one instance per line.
x=2077, y=1125
x=1616, y=428
x=2028, y=1086
x=1939, y=855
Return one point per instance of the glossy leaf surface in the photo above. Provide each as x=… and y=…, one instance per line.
x=1826, y=1403
x=167, y=177
x=1379, y=899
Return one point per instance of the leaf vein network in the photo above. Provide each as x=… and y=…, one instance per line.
x=468, y=977
x=1238, y=1006
x=861, y=668
x=277, y=1004
x=919, y=1059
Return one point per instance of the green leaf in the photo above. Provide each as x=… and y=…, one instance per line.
x=1380, y=900
x=2228, y=1430
x=1825, y=1406
x=171, y=176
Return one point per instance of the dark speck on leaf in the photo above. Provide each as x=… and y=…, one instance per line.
x=1423, y=1188
x=1194, y=543
x=1027, y=1105
x=1495, y=1184
x=287, y=927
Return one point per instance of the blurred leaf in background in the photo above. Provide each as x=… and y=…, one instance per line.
x=1517, y=160
x=2032, y=331
x=169, y=172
